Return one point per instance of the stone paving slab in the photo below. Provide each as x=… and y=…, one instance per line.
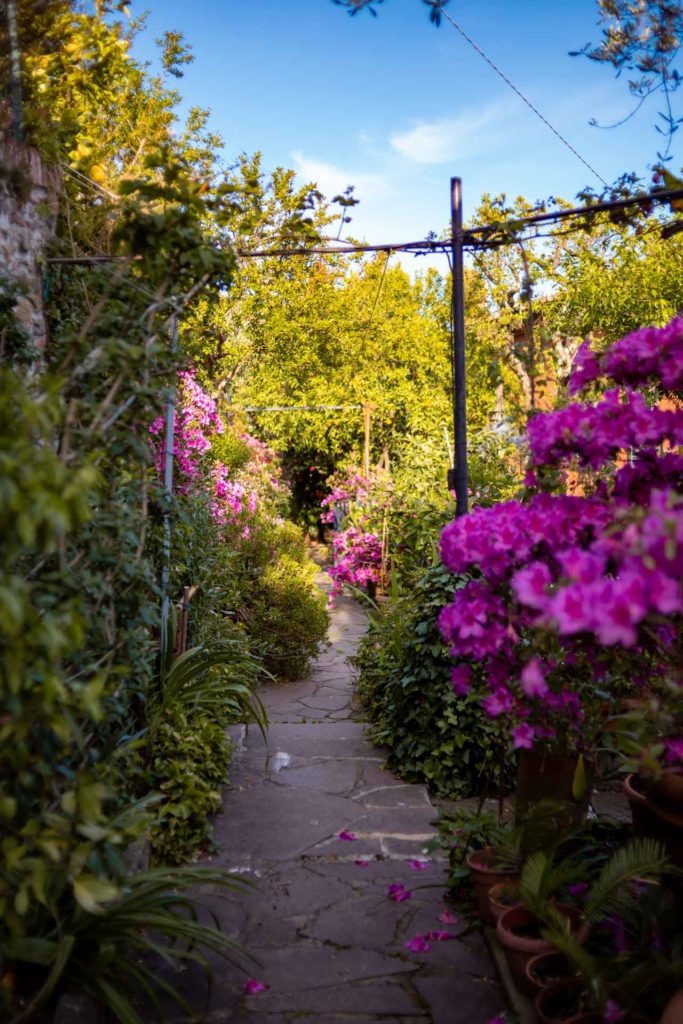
x=328, y=941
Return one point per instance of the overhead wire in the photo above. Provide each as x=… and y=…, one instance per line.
x=525, y=99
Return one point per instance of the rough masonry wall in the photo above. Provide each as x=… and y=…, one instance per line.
x=29, y=198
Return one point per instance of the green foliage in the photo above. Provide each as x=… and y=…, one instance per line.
x=105, y=947
x=288, y=615
x=190, y=757
x=404, y=684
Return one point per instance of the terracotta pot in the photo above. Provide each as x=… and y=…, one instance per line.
x=554, y=1006
x=673, y=1013
x=547, y=969
x=551, y=777
x=667, y=794
x=484, y=876
x=662, y=803
x=520, y=948
x=502, y=896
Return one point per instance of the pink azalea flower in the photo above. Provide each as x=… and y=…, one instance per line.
x=346, y=836
x=674, y=750
x=460, y=679
x=613, y=1012
x=419, y=865
x=398, y=892
x=362, y=863
x=252, y=987
x=418, y=944
x=523, y=736
x=447, y=918
x=498, y=703
x=533, y=679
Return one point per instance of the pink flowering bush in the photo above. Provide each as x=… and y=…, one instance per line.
x=575, y=601
x=357, y=560
x=353, y=487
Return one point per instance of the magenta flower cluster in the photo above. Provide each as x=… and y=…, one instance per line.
x=354, y=488
x=234, y=501
x=652, y=354
x=357, y=560
x=562, y=587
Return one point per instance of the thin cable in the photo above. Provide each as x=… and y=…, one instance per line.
x=379, y=289
x=521, y=95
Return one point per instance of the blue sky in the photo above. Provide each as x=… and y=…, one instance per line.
x=396, y=106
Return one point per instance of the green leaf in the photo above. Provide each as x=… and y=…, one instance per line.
x=93, y=893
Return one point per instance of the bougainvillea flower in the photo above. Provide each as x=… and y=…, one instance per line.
x=447, y=918
x=346, y=835
x=419, y=865
x=253, y=987
x=398, y=892
x=418, y=944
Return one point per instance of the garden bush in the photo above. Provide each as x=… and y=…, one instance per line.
x=288, y=614
x=431, y=734
x=190, y=758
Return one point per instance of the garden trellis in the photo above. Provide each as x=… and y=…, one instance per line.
x=478, y=237
x=461, y=239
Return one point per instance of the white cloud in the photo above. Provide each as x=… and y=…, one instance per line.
x=332, y=179
x=456, y=138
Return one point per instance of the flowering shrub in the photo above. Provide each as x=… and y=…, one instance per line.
x=199, y=430
x=354, y=488
x=357, y=560
x=576, y=600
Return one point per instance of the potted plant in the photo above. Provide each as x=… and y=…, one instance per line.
x=502, y=896
x=632, y=956
x=546, y=969
x=649, y=735
x=521, y=929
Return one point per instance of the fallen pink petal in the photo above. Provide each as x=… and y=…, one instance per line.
x=253, y=987
x=418, y=944
x=440, y=936
x=362, y=863
x=447, y=918
x=419, y=865
x=348, y=837
x=398, y=892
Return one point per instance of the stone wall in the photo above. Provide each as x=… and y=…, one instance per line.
x=29, y=198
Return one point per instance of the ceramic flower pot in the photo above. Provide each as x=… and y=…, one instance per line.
x=667, y=793
x=502, y=896
x=566, y=1002
x=673, y=1013
x=485, y=874
x=564, y=780
x=519, y=933
x=664, y=802
x=547, y=969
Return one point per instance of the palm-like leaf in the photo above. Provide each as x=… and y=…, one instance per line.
x=111, y=954
x=639, y=858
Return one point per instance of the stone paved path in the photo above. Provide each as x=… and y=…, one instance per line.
x=329, y=942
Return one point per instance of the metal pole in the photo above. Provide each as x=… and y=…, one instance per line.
x=15, y=70
x=169, y=416
x=457, y=478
